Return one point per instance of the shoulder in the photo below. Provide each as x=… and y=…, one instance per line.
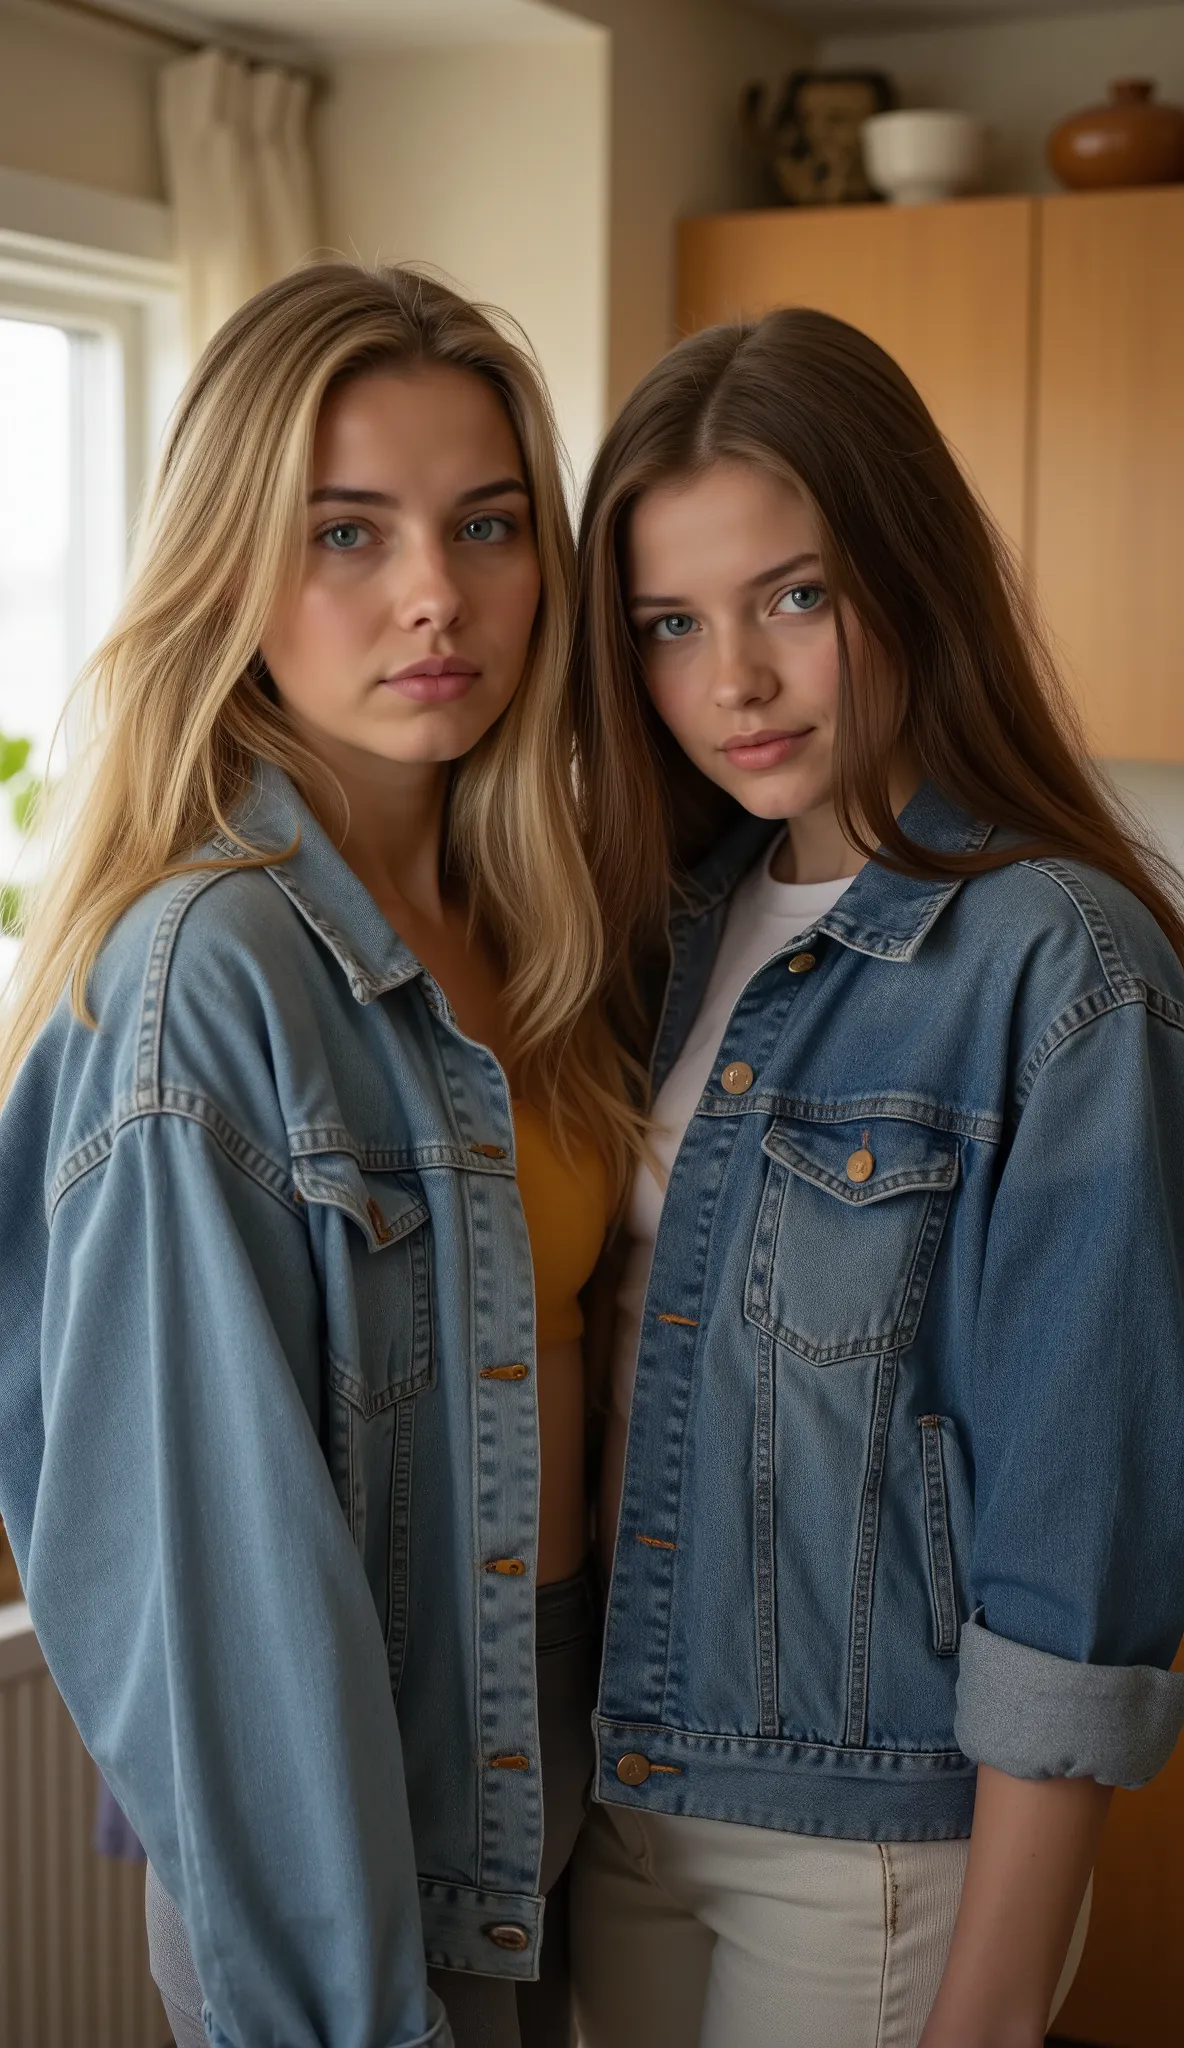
x=1060, y=953
x=1097, y=934
x=218, y=942
x=193, y=989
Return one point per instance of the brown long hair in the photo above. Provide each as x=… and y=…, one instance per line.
x=957, y=671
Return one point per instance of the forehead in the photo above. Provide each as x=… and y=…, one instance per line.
x=724, y=524
x=430, y=427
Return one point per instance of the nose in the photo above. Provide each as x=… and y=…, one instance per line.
x=742, y=675
x=425, y=591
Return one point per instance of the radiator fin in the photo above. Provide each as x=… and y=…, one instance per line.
x=73, y=1951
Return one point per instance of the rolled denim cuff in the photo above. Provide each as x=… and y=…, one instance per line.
x=1033, y=1715
x=439, y=2034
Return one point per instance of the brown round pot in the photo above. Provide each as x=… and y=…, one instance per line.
x=1133, y=141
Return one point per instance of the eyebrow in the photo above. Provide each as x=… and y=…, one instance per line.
x=345, y=494
x=753, y=583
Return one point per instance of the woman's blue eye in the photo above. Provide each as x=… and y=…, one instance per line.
x=804, y=597
x=344, y=536
x=488, y=527
x=675, y=626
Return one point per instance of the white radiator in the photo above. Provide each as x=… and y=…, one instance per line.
x=73, y=1953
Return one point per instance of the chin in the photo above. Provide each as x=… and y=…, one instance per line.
x=446, y=733
x=781, y=794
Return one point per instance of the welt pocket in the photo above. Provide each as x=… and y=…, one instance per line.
x=935, y=1429
x=848, y=1230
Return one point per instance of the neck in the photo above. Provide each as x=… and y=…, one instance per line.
x=396, y=825
x=816, y=849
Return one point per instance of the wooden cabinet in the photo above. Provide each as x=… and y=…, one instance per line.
x=1107, y=545
x=945, y=289
x=1047, y=338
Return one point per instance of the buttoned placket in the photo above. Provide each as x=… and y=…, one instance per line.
x=672, y=1313
x=505, y=1442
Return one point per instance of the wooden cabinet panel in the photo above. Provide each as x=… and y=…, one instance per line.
x=947, y=290
x=1108, y=526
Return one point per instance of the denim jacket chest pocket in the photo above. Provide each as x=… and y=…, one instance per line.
x=849, y=1224
x=371, y=1246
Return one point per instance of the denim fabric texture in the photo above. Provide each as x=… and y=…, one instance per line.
x=903, y=1491
x=264, y=1266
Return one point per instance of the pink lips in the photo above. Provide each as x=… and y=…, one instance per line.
x=763, y=749
x=434, y=679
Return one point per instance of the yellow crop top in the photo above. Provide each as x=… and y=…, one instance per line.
x=566, y=1210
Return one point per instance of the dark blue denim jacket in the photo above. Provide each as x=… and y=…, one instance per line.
x=905, y=1478
x=269, y=1442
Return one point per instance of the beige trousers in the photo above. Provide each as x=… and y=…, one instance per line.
x=704, y=1934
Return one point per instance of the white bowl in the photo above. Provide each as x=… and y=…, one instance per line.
x=918, y=154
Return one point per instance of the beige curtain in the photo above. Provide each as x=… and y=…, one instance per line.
x=239, y=174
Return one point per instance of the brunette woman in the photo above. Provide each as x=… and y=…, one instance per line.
x=298, y=1185
x=899, y=1534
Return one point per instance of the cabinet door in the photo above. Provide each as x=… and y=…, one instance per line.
x=1108, y=540
x=947, y=290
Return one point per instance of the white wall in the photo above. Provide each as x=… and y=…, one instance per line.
x=678, y=67
x=492, y=165
x=549, y=177
x=1155, y=790
x=1024, y=76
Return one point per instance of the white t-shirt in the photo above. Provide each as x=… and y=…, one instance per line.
x=764, y=916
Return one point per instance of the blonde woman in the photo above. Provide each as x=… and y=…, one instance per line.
x=301, y=1084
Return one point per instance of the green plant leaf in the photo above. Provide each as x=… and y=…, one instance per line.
x=14, y=755
x=25, y=801
x=11, y=907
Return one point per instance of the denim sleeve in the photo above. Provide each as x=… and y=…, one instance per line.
x=1077, y=1574
x=201, y=1604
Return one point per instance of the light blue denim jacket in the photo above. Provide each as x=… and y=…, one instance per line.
x=905, y=1479
x=269, y=1442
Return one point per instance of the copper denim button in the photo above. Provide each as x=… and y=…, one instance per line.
x=861, y=1165
x=802, y=963
x=738, y=1078
x=504, y=1934
x=633, y=1769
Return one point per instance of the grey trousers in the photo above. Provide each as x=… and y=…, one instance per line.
x=484, y=2012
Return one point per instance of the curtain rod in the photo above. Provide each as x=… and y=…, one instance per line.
x=175, y=37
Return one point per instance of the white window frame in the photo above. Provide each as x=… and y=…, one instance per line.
x=103, y=265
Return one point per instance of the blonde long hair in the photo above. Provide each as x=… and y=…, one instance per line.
x=181, y=713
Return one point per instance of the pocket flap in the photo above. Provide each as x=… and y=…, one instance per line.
x=383, y=1209
x=904, y=1157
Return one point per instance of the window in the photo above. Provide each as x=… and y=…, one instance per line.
x=61, y=525
x=89, y=363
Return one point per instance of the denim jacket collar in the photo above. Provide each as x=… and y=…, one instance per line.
x=883, y=913
x=323, y=887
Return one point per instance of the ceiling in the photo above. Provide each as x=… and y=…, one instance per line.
x=340, y=25
x=322, y=25
x=841, y=16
